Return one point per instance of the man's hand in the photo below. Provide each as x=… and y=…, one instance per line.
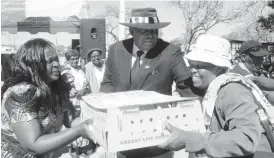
x=175, y=142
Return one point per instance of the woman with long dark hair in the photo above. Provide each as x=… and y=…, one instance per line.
x=35, y=105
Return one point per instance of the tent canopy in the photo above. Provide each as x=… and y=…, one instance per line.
x=33, y=25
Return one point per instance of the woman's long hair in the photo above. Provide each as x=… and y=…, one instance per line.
x=31, y=67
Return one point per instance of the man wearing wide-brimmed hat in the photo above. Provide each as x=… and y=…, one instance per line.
x=145, y=62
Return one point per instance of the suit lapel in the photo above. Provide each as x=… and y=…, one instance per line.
x=125, y=57
x=145, y=69
x=149, y=63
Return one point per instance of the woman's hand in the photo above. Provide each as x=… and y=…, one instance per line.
x=82, y=92
x=85, y=129
x=262, y=82
x=175, y=142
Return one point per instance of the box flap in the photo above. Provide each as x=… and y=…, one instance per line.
x=130, y=98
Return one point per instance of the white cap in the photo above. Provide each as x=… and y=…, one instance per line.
x=211, y=49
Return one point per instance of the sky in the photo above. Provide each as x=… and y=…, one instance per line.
x=61, y=9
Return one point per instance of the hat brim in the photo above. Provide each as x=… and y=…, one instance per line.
x=204, y=57
x=260, y=53
x=94, y=49
x=147, y=26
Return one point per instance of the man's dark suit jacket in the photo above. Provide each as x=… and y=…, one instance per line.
x=162, y=65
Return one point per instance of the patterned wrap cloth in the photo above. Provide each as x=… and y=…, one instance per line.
x=18, y=105
x=214, y=87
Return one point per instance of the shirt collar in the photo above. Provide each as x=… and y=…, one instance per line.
x=77, y=68
x=135, y=49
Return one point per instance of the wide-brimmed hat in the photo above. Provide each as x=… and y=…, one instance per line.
x=254, y=48
x=145, y=18
x=211, y=49
x=92, y=50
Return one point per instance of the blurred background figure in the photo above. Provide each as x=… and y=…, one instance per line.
x=268, y=66
x=78, y=85
x=7, y=65
x=95, y=69
x=255, y=63
x=81, y=60
x=251, y=58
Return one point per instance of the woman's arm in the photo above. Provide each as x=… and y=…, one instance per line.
x=270, y=97
x=263, y=83
x=71, y=121
x=30, y=137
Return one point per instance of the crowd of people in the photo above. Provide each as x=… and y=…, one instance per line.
x=39, y=97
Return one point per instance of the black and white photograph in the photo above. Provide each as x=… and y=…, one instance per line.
x=137, y=79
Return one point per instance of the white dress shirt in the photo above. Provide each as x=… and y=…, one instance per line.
x=134, y=55
x=99, y=73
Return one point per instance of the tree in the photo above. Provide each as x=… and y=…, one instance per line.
x=201, y=16
x=178, y=41
x=268, y=22
x=232, y=36
x=112, y=21
x=250, y=28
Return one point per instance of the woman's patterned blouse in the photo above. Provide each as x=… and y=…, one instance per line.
x=19, y=104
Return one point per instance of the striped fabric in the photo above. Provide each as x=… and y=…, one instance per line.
x=144, y=20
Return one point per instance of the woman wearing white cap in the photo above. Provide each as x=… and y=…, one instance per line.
x=229, y=107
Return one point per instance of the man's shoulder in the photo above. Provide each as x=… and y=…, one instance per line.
x=116, y=43
x=122, y=42
x=168, y=44
x=169, y=47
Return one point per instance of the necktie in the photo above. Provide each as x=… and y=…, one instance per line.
x=136, y=65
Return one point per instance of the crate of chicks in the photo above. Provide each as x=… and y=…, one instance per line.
x=135, y=119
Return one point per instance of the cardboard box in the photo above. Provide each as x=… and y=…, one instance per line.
x=135, y=119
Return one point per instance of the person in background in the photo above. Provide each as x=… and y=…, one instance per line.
x=35, y=105
x=7, y=66
x=251, y=57
x=145, y=62
x=271, y=70
x=78, y=85
x=95, y=69
x=82, y=61
x=268, y=66
x=229, y=107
